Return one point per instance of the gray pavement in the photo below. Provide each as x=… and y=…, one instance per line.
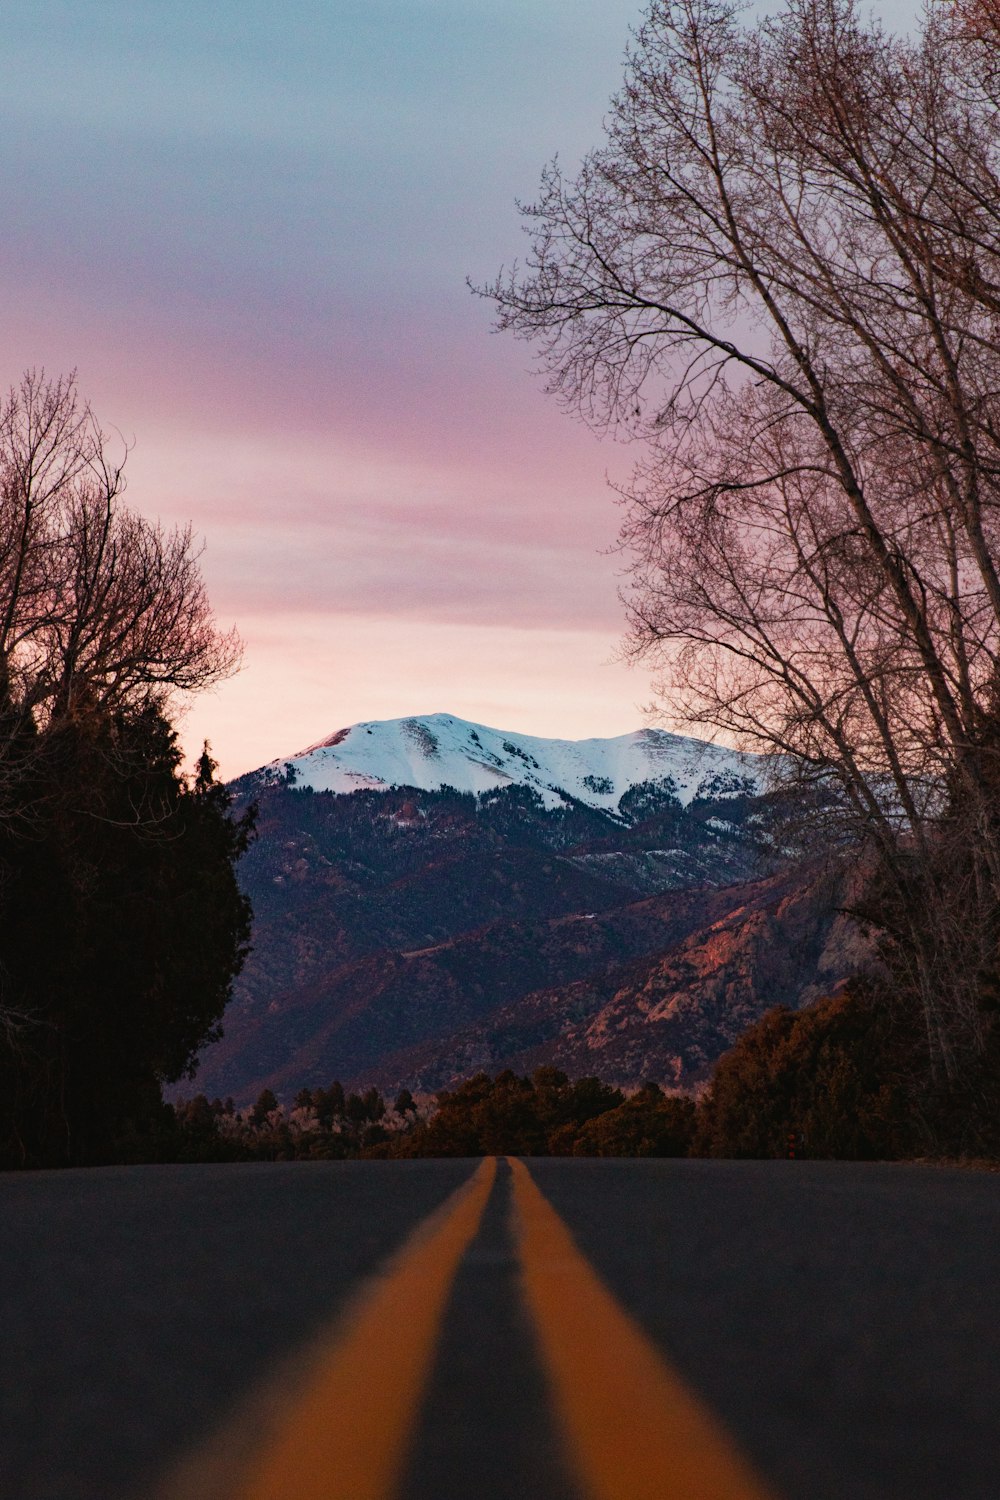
x=842, y=1320
x=138, y=1303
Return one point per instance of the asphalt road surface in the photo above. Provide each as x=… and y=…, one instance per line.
x=451, y=1330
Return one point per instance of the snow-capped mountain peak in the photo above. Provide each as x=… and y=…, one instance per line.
x=437, y=750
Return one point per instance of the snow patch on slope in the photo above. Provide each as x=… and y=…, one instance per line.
x=439, y=750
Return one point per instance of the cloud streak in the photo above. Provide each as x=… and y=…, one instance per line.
x=249, y=228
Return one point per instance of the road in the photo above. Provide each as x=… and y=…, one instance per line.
x=557, y=1328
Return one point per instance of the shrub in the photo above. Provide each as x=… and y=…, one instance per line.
x=838, y=1075
x=648, y=1124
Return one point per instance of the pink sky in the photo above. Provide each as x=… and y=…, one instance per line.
x=248, y=227
x=251, y=242
x=454, y=559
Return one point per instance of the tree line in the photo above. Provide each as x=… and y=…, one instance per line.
x=121, y=923
x=780, y=276
x=541, y=1115
x=831, y=1081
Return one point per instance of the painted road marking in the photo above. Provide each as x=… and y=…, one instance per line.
x=634, y=1430
x=346, y=1435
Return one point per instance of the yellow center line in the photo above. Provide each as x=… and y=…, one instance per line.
x=345, y=1427
x=635, y=1432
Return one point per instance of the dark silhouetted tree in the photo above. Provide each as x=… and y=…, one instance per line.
x=121, y=922
x=838, y=1076
x=265, y=1106
x=781, y=273
x=329, y=1105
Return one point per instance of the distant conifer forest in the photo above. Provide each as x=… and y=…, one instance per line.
x=832, y=1081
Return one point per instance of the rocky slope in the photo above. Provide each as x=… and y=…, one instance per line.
x=670, y=1014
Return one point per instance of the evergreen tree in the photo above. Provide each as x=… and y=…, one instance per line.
x=122, y=928
x=265, y=1106
x=329, y=1104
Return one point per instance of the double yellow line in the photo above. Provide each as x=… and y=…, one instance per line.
x=633, y=1430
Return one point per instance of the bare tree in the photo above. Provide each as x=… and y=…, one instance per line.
x=782, y=272
x=122, y=922
x=98, y=606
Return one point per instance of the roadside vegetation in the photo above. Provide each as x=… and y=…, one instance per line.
x=544, y=1115
x=121, y=922
x=833, y=1081
x=779, y=276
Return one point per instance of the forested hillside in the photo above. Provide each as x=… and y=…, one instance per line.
x=408, y=937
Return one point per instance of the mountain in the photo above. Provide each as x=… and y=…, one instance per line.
x=432, y=896
x=669, y=1014
x=439, y=751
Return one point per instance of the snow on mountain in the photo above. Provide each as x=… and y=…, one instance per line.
x=439, y=750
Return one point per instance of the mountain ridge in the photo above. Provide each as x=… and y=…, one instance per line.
x=622, y=906
x=434, y=751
